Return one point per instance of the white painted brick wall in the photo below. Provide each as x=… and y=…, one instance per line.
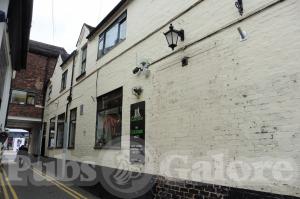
x=237, y=98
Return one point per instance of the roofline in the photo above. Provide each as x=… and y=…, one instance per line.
x=33, y=49
x=69, y=57
x=88, y=27
x=107, y=18
x=19, y=24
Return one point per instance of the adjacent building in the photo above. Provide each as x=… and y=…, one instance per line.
x=28, y=91
x=15, y=22
x=215, y=116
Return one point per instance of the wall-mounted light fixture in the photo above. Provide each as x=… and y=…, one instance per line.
x=172, y=36
x=243, y=34
x=239, y=5
x=137, y=91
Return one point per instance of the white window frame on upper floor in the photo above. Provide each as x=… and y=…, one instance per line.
x=102, y=48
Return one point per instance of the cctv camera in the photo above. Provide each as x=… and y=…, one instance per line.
x=136, y=70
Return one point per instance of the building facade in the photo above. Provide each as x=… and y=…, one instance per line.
x=28, y=90
x=217, y=117
x=15, y=22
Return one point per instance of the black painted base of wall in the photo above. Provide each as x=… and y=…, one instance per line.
x=163, y=188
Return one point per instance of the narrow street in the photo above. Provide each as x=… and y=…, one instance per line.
x=34, y=184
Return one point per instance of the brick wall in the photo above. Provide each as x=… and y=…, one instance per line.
x=239, y=99
x=39, y=69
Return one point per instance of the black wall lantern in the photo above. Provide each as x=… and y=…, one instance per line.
x=239, y=5
x=172, y=36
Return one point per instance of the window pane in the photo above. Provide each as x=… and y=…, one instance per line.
x=111, y=38
x=111, y=100
x=64, y=80
x=72, y=128
x=84, y=54
x=83, y=66
x=18, y=97
x=51, y=142
x=101, y=46
x=60, y=131
x=109, y=128
x=123, y=28
x=83, y=59
x=109, y=120
x=31, y=99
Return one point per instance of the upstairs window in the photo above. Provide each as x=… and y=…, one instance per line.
x=112, y=36
x=83, y=59
x=64, y=80
x=49, y=92
x=22, y=97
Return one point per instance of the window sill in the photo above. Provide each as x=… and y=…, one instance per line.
x=106, y=148
x=104, y=54
x=22, y=104
x=80, y=76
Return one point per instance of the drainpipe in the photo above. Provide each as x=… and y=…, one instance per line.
x=66, y=129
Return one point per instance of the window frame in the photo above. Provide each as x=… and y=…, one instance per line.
x=57, y=123
x=49, y=92
x=64, y=77
x=52, y=119
x=70, y=123
x=121, y=19
x=96, y=146
x=83, y=60
x=26, y=98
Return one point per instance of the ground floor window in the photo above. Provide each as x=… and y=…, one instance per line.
x=72, y=128
x=109, y=120
x=51, y=141
x=60, y=131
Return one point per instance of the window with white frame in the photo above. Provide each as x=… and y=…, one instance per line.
x=64, y=80
x=112, y=36
x=49, y=92
x=60, y=131
x=51, y=141
x=83, y=59
x=72, y=128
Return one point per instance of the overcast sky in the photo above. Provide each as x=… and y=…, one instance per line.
x=68, y=17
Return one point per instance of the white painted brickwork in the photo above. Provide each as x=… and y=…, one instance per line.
x=241, y=99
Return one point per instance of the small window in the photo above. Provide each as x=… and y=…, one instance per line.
x=64, y=80
x=18, y=97
x=83, y=59
x=49, y=92
x=101, y=46
x=51, y=141
x=72, y=126
x=22, y=97
x=109, y=120
x=30, y=99
x=112, y=36
x=60, y=131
